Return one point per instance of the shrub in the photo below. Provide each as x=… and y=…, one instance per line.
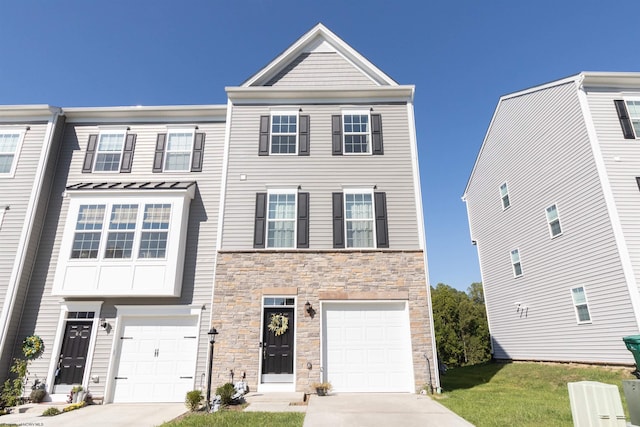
x=37, y=395
x=225, y=392
x=50, y=412
x=74, y=406
x=194, y=397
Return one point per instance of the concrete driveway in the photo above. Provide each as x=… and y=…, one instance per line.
x=379, y=409
x=112, y=415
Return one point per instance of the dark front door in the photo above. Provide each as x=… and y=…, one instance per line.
x=73, y=355
x=277, y=345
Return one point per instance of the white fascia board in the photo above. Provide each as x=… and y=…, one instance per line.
x=309, y=38
x=610, y=79
x=188, y=192
x=161, y=113
x=327, y=95
x=27, y=113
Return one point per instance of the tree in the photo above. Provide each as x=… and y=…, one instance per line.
x=461, y=328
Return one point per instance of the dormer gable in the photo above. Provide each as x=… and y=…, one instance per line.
x=320, y=59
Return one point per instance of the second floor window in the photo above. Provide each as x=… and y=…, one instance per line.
x=128, y=228
x=515, y=263
x=553, y=220
x=580, y=303
x=504, y=196
x=356, y=133
x=281, y=221
x=109, y=152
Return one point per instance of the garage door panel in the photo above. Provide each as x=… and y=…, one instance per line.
x=367, y=347
x=158, y=351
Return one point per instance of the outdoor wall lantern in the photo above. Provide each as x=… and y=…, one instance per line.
x=307, y=307
x=212, y=340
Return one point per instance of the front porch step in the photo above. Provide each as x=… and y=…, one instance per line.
x=275, y=402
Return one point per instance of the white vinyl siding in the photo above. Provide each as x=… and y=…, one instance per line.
x=580, y=304
x=553, y=219
x=109, y=151
x=551, y=130
x=42, y=309
x=179, y=151
x=392, y=173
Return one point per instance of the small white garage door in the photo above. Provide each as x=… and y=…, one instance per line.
x=157, y=359
x=367, y=347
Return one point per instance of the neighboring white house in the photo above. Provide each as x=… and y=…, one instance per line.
x=296, y=205
x=553, y=203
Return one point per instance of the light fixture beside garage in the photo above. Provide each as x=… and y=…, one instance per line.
x=212, y=340
x=308, y=309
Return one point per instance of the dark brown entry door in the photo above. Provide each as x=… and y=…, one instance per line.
x=73, y=356
x=277, y=350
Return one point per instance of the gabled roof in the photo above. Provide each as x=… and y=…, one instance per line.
x=319, y=39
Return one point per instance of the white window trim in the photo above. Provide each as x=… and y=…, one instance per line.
x=373, y=218
x=104, y=232
x=506, y=186
x=274, y=191
x=271, y=134
x=546, y=212
x=369, y=137
x=192, y=131
x=626, y=105
x=108, y=131
x=66, y=307
x=16, y=153
x=575, y=305
x=513, y=264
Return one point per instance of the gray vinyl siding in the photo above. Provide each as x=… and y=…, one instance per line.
x=320, y=69
x=42, y=310
x=17, y=192
x=622, y=173
x=538, y=144
x=320, y=174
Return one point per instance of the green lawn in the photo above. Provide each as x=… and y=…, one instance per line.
x=240, y=419
x=520, y=394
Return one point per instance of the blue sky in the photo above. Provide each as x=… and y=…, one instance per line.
x=461, y=55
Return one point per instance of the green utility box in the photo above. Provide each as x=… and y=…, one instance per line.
x=633, y=345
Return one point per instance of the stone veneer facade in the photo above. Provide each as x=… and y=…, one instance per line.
x=243, y=277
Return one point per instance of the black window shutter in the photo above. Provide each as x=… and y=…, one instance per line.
x=338, y=220
x=336, y=135
x=198, y=153
x=260, y=221
x=303, y=220
x=263, y=146
x=376, y=134
x=382, y=232
x=127, y=153
x=158, y=158
x=625, y=121
x=638, y=181
x=87, y=165
x=303, y=136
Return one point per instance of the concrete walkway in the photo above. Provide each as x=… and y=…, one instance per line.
x=112, y=415
x=379, y=409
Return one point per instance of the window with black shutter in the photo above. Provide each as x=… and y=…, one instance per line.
x=284, y=132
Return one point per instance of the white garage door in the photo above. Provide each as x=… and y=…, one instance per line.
x=367, y=347
x=157, y=359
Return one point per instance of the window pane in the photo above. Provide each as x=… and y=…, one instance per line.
x=123, y=217
x=515, y=256
x=109, y=151
x=177, y=161
x=505, y=201
x=90, y=217
x=359, y=220
x=119, y=245
x=9, y=142
x=360, y=234
x=281, y=221
x=356, y=133
x=552, y=213
x=555, y=228
x=578, y=295
x=156, y=217
x=583, y=313
x=281, y=144
x=284, y=134
x=182, y=141
x=107, y=162
x=153, y=244
x=6, y=160
x=503, y=189
x=517, y=269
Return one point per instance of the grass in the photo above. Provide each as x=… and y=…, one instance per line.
x=239, y=419
x=522, y=394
